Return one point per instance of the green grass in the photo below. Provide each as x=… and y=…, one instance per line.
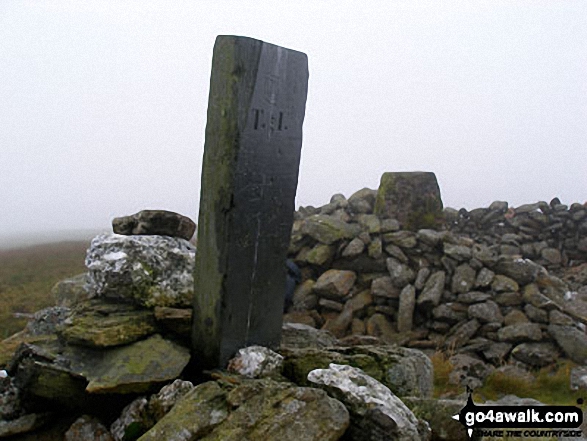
x=27, y=276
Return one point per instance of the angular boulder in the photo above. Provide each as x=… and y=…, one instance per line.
x=256, y=362
x=407, y=372
x=571, y=340
x=413, y=198
x=155, y=222
x=376, y=413
x=253, y=409
x=69, y=292
x=100, y=324
x=88, y=428
x=327, y=229
x=148, y=270
x=137, y=367
x=335, y=284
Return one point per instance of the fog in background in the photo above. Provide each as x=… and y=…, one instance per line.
x=103, y=103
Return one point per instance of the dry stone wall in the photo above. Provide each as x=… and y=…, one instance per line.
x=489, y=283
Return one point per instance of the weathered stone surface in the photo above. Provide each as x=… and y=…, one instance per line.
x=485, y=254
x=176, y=320
x=99, y=324
x=536, y=314
x=134, y=420
x=375, y=249
x=155, y=222
x=449, y=312
x=468, y=371
x=149, y=270
x=88, y=428
x=370, y=222
x=463, y=279
x=462, y=334
x=407, y=372
x=330, y=305
x=362, y=201
x=304, y=298
x=162, y=402
x=339, y=325
x=438, y=414
x=354, y=248
x=47, y=320
x=432, y=292
x=25, y=423
x=422, y=277
x=328, y=230
x=378, y=325
x=515, y=317
x=536, y=354
x=254, y=409
x=69, y=292
x=579, y=378
x=520, y=332
x=413, y=198
x=135, y=368
x=473, y=297
x=396, y=252
x=523, y=271
x=400, y=273
x=432, y=238
x=497, y=352
x=335, y=284
x=486, y=312
x=503, y=283
x=508, y=298
x=308, y=318
x=577, y=309
x=551, y=255
x=402, y=239
x=320, y=255
x=296, y=335
x=533, y=296
x=256, y=362
x=360, y=301
x=193, y=416
x=458, y=252
x=571, y=340
x=383, y=287
x=484, y=278
x=10, y=398
x=405, y=313
x=558, y=318
x=376, y=413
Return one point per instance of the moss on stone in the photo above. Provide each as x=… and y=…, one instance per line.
x=413, y=198
x=137, y=367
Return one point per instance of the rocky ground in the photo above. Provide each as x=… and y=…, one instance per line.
x=494, y=288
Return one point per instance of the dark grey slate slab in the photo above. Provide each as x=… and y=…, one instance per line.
x=249, y=180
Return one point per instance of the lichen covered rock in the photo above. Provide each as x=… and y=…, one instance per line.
x=376, y=413
x=413, y=198
x=254, y=410
x=148, y=270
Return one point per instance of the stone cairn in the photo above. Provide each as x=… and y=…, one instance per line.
x=493, y=284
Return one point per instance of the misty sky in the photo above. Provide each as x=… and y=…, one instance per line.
x=103, y=103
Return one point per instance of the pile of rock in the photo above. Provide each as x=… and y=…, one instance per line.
x=363, y=274
x=552, y=234
x=110, y=364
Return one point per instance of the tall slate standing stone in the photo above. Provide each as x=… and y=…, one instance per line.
x=249, y=178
